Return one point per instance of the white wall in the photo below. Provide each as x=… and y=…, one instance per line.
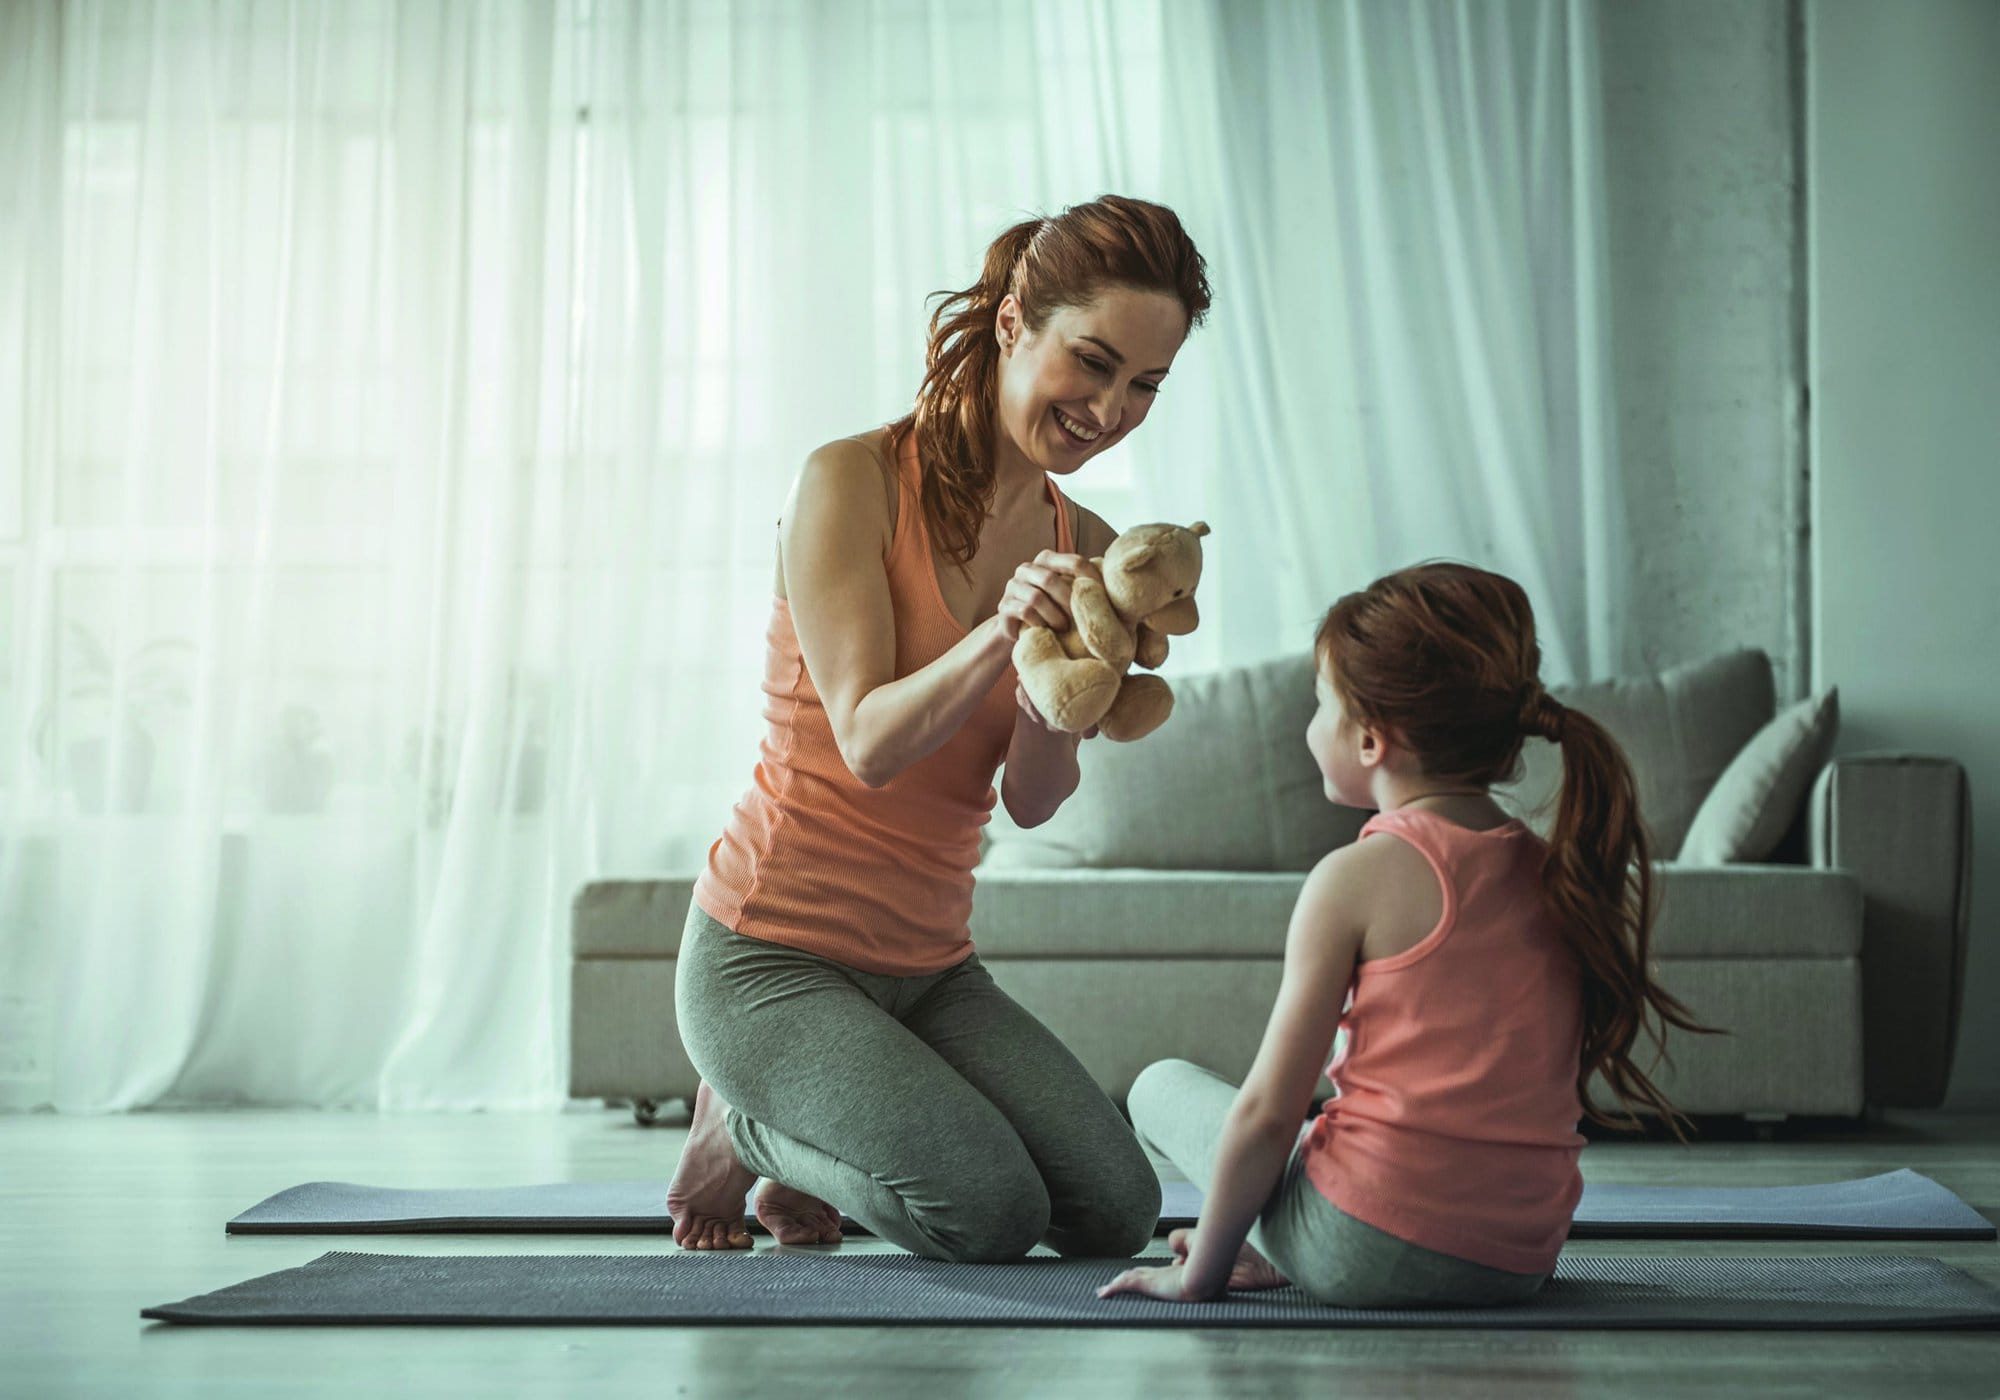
x=1903, y=223
x=1700, y=147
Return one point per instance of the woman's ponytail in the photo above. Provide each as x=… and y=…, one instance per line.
x=954, y=415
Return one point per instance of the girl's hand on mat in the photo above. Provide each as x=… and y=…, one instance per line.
x=1035, y=716
x=1167, y=1282
x=1038, y=594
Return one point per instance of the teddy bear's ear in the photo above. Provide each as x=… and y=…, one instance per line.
x=1142, y=556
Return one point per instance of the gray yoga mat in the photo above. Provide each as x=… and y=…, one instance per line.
x=1895, y=1205
x=769, y=1287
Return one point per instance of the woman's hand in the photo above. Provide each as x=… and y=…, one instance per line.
x=1168, y=1283
x=1038, y=593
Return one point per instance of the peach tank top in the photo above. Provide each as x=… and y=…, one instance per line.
x=1455, y=1124
x=879, y=879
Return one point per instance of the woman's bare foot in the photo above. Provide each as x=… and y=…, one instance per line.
x=1251, y=1270
x=793, y=1217
x=705, y=1198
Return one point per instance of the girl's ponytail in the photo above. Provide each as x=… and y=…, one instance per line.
x=1598, y=881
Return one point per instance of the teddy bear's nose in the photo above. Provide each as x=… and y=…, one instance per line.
x=1179, y=591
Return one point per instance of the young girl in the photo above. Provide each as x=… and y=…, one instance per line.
x=1487, y=975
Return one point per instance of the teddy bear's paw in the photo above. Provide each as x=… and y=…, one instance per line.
x=1077, y=695
x=1142, y=705
x=1069, y=694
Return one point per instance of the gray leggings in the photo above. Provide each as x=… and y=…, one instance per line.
x=934, y=1109
x=1180, y=1108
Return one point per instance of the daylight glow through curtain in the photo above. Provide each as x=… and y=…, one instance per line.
x=396, y=400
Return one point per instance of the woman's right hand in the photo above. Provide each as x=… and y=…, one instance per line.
x=1038, y=594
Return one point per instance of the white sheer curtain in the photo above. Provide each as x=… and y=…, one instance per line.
x=1405, y=203
x=396, y=400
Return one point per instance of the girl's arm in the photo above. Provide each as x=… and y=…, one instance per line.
x=1264, y=1122
x=834, y=539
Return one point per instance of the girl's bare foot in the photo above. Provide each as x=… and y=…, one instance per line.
x=705, y=1198
x=1251, y=1270
x=793, y=1217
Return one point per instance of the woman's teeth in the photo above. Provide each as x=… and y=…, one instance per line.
x=1077, y=429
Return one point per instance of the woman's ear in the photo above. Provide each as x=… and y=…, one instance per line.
x=1007, y=323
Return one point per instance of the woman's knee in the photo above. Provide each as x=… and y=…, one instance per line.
x=997, y=1218
x=1124, y=1219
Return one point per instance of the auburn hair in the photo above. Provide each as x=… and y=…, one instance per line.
x=1443, y=656
x=1047, y=263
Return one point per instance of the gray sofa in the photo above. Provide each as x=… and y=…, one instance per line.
x=1147, y=919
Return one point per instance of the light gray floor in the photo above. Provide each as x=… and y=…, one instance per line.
x=102, y=1216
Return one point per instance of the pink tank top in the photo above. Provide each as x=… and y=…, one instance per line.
x=1455, y=1124
x=879, y=879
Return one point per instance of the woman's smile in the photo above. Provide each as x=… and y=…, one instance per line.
x=1076, y=434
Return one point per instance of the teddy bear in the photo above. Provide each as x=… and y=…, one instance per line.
x=1078, y=677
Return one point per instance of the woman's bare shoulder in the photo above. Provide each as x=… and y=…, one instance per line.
x=854, y=472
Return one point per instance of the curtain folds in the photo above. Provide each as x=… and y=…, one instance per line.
x=396, y=400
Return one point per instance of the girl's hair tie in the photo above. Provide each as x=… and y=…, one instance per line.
x=1543, y=714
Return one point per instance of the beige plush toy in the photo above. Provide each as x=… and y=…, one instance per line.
x=1078, y=678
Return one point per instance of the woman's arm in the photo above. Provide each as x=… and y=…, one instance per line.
x=834, y=540
x=1264, y=1121
x=1041, y=770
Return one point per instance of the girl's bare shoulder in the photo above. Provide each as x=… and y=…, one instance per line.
x=1395, y=892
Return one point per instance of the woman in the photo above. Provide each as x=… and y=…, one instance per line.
x=852, y=1048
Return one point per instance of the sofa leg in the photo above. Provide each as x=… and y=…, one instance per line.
x=1766, y=1124
x=649, y=1113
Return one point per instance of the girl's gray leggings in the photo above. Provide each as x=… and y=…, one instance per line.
x=1180, y=1108
x=934, y=1110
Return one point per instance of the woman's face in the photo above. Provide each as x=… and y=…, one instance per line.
x=1088, y=377
x=1341, y=748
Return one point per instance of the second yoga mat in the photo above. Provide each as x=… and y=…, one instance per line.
x=779, y=1288
x=1894, y=1205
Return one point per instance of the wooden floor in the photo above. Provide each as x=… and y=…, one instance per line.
x=100, y=1217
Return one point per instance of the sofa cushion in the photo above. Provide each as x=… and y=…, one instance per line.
x=1132, y=913
x=1745, y=911
x=1735, y=911
x=1225, y=784
x=1755, y=912
x=1680, y=729
x=629, y=918
x=1761, y=793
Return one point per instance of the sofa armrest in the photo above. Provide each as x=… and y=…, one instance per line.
x=1901, y=823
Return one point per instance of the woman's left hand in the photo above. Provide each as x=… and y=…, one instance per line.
x=1168, y=1283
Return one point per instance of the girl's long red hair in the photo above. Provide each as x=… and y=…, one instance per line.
x=1444, y=656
